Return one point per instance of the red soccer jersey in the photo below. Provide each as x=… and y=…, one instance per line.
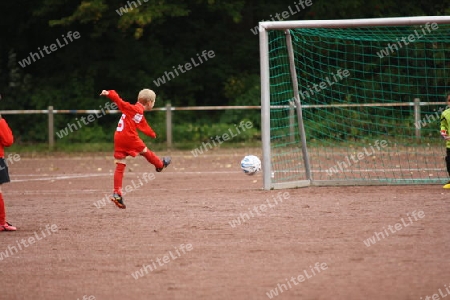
x=126, y=139
x=6, y=137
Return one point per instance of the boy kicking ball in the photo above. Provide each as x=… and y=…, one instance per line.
x=126, y=139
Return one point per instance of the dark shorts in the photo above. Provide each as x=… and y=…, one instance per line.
x=4, y=174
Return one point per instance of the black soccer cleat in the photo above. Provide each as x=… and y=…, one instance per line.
x=166, y=161
x=118, y=201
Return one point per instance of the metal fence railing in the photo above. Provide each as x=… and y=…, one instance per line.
x=50, y=111
x=417, y=104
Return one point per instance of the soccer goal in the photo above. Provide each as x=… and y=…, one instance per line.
x=354, y=102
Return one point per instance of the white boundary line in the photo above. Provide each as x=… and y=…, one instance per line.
x=58, y=177
x=76, y=176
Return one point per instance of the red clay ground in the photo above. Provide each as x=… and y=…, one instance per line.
x=94, y=251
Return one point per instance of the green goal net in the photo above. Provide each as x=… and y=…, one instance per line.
x=354, y=104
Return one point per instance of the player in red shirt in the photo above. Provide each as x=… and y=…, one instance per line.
x=6, y=140
x=126, y=139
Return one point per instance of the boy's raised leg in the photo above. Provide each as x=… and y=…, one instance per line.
x=155, y=160
x=166, y=161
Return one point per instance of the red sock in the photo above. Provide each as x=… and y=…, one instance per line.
x=2, y=210
x=153, y=159
x=118, y=178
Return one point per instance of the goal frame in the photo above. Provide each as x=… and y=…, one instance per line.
x=264, y=27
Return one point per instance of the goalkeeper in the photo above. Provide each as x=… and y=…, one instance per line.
x=445, y=126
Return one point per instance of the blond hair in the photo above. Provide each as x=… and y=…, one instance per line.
x=146, y=96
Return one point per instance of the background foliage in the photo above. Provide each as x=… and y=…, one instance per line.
x=129, y=52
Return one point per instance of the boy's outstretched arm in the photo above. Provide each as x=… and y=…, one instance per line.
x=146, y=129
x=113, y=96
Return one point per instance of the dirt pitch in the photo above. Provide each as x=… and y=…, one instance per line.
x=93, y=251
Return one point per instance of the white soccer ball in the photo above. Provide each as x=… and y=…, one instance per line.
x=250, y=164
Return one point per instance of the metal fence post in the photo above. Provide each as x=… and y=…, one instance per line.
x=51, y=132
x=169, y=125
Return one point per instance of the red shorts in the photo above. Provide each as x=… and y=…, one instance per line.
x=122, y=149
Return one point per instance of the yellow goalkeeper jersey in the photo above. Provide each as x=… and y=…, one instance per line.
x=445, y=124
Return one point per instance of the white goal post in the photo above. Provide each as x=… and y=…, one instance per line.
x=288, y=161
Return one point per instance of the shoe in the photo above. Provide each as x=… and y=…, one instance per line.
x=7, y=227
x=447, y=185
x=118, y=201
x=166, y=161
